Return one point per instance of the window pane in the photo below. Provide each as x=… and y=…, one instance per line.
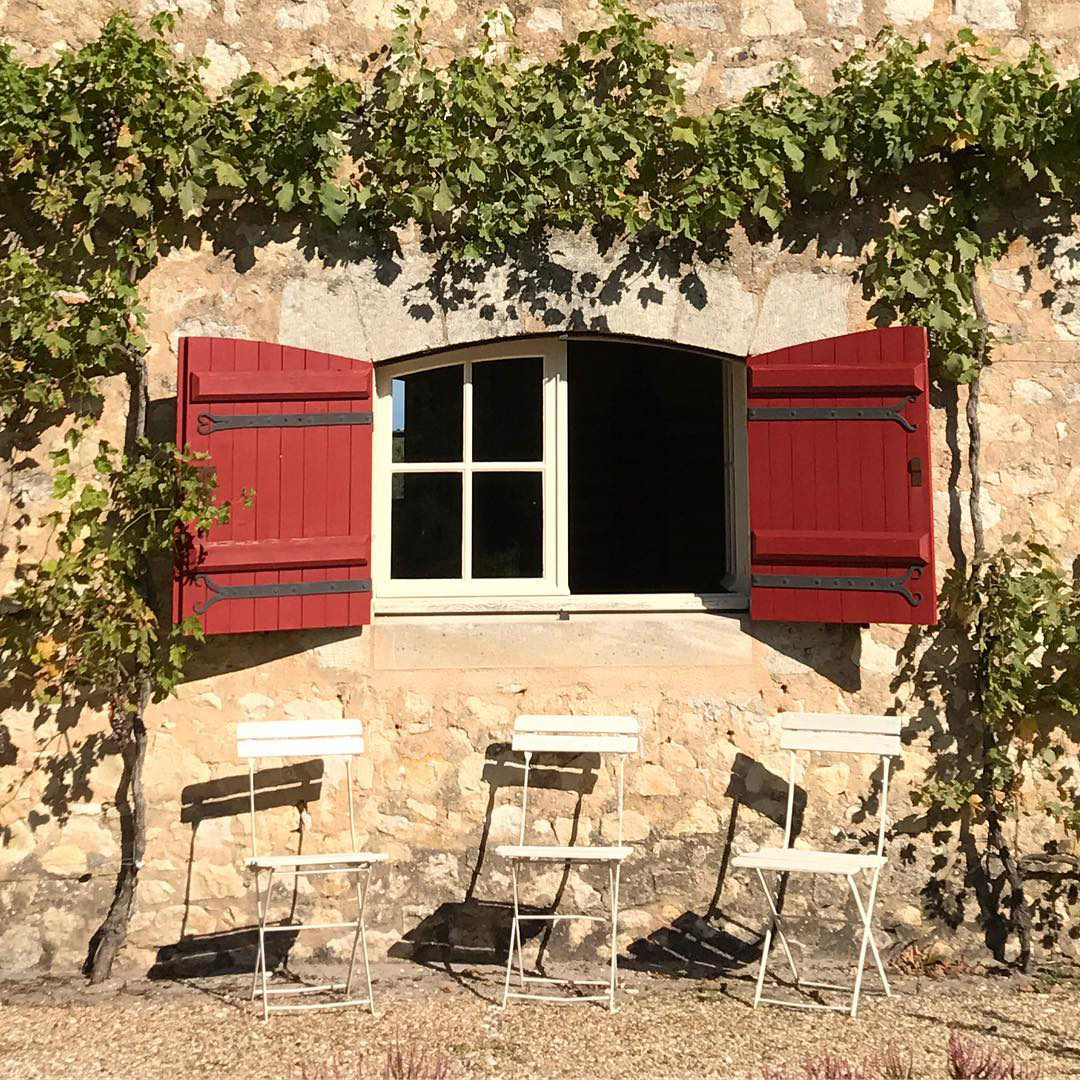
x=425, y=525
x=646, y=499
x=508, y=522
x=428, y=415
x=508, y=410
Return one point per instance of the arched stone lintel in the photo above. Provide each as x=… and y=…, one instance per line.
x=384, y=311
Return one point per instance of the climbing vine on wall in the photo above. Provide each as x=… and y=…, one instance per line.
x=114, y=154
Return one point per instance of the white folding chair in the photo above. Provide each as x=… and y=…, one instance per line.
x=305, y=739
x=838, y=734
x=568, y=736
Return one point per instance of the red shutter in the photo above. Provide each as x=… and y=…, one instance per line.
x=299, y=556
x=841, y=511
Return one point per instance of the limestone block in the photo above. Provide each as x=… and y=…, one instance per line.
x=844, y=12
x=832, y=779
x=20, y=949
x=650, y=779
x=192, y=9
x=255, y=706
x=902, y=12
x=801, y=306
x=701, y=818
x=764, y=18
x=986, y=14
x=226, y=63
x=314, y=709
x=635, y=827
x=424, y=810
x=1055, y=18
x=470, y=774
x=735, y=83
x=692, y=14
x=692, y=73
x=564, y=830
x=1031, y=392
x=302, y=14
x=675, y=756
x=64, y=860
x=214, y=880
x=545, y=20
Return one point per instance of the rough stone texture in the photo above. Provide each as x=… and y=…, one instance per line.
x=435, y=790
x=987, y=14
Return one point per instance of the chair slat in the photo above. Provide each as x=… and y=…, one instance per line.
x=853, y=722
x=575, y=744
x=592, y=725
x=841, y=742
x=331, y=746
x=317, y=728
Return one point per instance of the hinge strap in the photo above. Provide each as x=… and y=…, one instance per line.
x=854, y=584
x=845, y=412
x=208, y=423
x=258, y=592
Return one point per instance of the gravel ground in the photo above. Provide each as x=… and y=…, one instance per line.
x=666, y=1027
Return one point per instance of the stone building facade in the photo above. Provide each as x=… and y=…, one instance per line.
x=438, y=692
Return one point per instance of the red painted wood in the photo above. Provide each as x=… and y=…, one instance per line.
x=280, y=386
x=309, y=488
x=840, y=378
x=834, y=497
x=848, y=545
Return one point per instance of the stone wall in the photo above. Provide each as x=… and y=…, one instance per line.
x=438, y=694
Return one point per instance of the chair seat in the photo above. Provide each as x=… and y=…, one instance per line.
x=554, y=853
x=811, y=862
x=342, y=858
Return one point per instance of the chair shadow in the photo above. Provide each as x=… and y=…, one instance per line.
x=460, y=935
x=715, y=944
x=233, y=952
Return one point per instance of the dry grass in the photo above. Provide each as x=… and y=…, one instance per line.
x=666, y=1028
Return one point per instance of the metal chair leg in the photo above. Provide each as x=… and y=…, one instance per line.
x=515, y=940
x=259, y=956
x=873, y=943
x=867, y=938
x=613, y=878
x=778, y=925
x=262, y=943
x=363, y=942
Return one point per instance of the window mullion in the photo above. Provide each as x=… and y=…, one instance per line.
x=556, y=468
x=466, y=477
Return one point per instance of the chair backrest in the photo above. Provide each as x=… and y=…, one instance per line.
x=318, y=737
x=841, y=733
x=572, y=735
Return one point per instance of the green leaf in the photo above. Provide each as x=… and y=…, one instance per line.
x=444, y=199
x=227, y=174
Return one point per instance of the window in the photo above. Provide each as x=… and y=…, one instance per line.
x=551, y=474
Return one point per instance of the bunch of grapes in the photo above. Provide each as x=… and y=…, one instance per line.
x=108, y=129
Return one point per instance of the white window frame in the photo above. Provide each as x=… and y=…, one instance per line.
x=550, y=593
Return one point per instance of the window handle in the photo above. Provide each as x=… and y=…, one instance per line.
x=914, y=468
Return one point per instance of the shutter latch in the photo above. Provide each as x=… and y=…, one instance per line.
x=914, y=468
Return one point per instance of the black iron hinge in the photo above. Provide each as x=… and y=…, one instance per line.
x=208, y=423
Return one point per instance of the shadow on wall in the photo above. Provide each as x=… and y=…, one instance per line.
x=832, y=651
x=712, y=943
x=232, y=952
x=473, y=930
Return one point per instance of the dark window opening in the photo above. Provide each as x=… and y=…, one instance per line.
x=646, y=470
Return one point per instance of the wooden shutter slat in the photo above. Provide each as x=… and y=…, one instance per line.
x=280, y=386
x=309, y=488
x=846, y=379
x=852, y=545
x=833, y=511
